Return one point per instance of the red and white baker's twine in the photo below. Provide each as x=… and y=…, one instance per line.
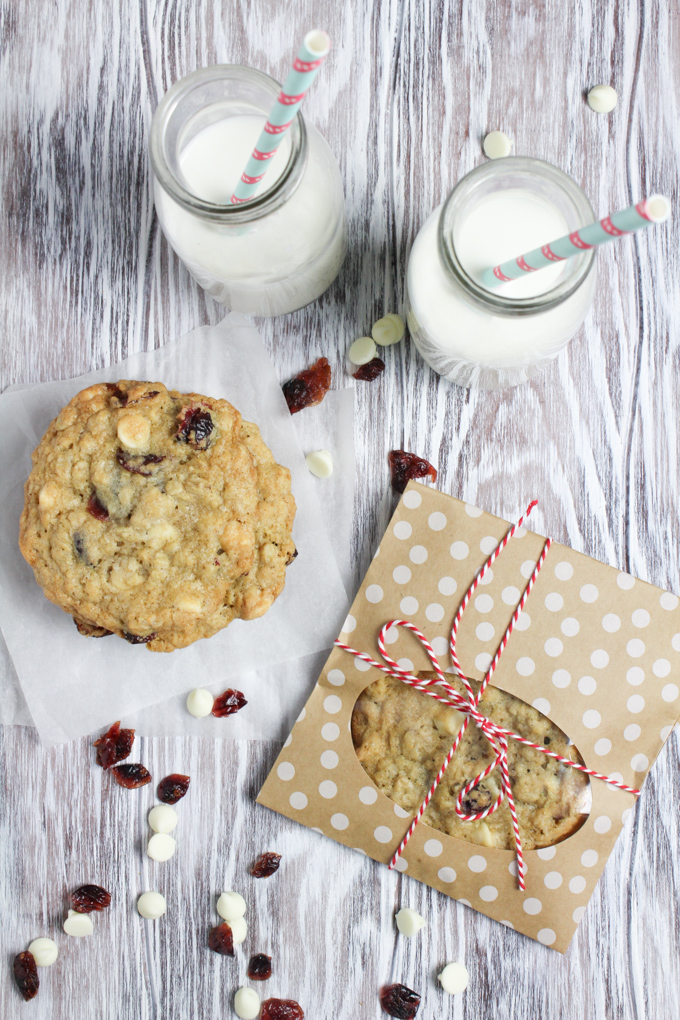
x=467, y=705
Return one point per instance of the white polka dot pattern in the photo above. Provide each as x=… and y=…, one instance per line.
x=591, y=630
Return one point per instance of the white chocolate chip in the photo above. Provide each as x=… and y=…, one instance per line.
x=161, y=847
x=497, y=145
x=409, y=922
x=239, y=929
x=151, y=905
x=134, y=431
x=162, y=818
x=602, y=99
x=483, y=834
x=45, y=952
x=200, y=703
x=454, y=978
x=231, y=906
x=247, y=1003
x=78, y=925
x=47, y=496
x=362, y=351
x=388, y=330
x=190, y=604
x=320, y=463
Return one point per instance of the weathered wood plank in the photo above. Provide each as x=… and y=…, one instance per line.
x=87, y=277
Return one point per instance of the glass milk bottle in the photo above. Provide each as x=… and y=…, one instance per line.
x=283, y=248
x=491, y=339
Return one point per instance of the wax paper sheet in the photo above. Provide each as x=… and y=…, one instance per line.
x=73, y=685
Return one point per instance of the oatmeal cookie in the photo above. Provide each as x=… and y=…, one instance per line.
x=402, y=737
x=156, y=515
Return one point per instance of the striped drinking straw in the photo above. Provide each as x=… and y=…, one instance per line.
x=651, y=210
x=315, y=48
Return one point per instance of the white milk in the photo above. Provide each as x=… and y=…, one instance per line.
x=271, y=264
x=474, y=345
x=213, y=161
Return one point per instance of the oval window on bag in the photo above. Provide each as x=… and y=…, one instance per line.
x=402, y=736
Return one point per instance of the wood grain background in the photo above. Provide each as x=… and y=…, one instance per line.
x=87, y=277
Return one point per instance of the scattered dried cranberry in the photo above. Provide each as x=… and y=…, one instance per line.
x=405, y=466
x=131, y=776
x=281, y=1009
x=114, y=746
x=97, y=508
x=309, y=387
x=399, y=1001
x=135, y=464
x=371, y=370
x=194, y=427
x=260, y=967
x=90, y=897
x=266, y=866
x=228, y=703
x=138, y=639
x=173, y=788
x=221, y=940
x=26, y=975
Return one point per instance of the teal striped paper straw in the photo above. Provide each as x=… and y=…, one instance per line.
x=315, y=48
x=650, y=210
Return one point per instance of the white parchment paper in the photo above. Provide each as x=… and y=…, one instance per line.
x=74, y=685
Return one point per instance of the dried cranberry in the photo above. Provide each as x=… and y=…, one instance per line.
x=90, y=897
x=309, y=387
x=293, y=556
x=97, y=508
x=116, y=392
x=281, y=1009
x=228, y=703
x=399, y=1001
x=221, y=940
x=371, y=370
x=90, y=629
x=131, y=776
x=405, y=466
x=194, y=427
x=26, y=975
x=138, y=639
x=173, y=788
x=266, y=866
x=260, y=967
x=114, y=746
x=135, y=464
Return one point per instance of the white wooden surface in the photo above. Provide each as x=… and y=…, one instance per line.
x=86, y=277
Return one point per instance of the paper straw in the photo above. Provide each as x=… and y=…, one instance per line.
x=315, y=48
x=651, y=210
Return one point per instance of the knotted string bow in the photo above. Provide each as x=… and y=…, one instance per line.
x=468, y=705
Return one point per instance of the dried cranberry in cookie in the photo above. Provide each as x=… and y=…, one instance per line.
x=156, y=515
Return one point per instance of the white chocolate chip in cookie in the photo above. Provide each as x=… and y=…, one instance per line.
x=47, y=496
x=134, y=431
x=483, y=834
x=449, y=721
x=190, y=604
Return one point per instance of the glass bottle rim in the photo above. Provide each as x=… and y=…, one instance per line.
x=497, y=303
x=263, y=203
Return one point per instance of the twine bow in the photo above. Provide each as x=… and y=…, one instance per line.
x=468, y=705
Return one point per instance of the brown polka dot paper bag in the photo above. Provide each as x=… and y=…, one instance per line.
x=590, y=672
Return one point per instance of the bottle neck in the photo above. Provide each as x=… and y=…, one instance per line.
x=198, y=100
x=537, y=178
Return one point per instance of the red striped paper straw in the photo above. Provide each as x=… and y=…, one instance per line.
x=650, y=210
x=312, y=53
